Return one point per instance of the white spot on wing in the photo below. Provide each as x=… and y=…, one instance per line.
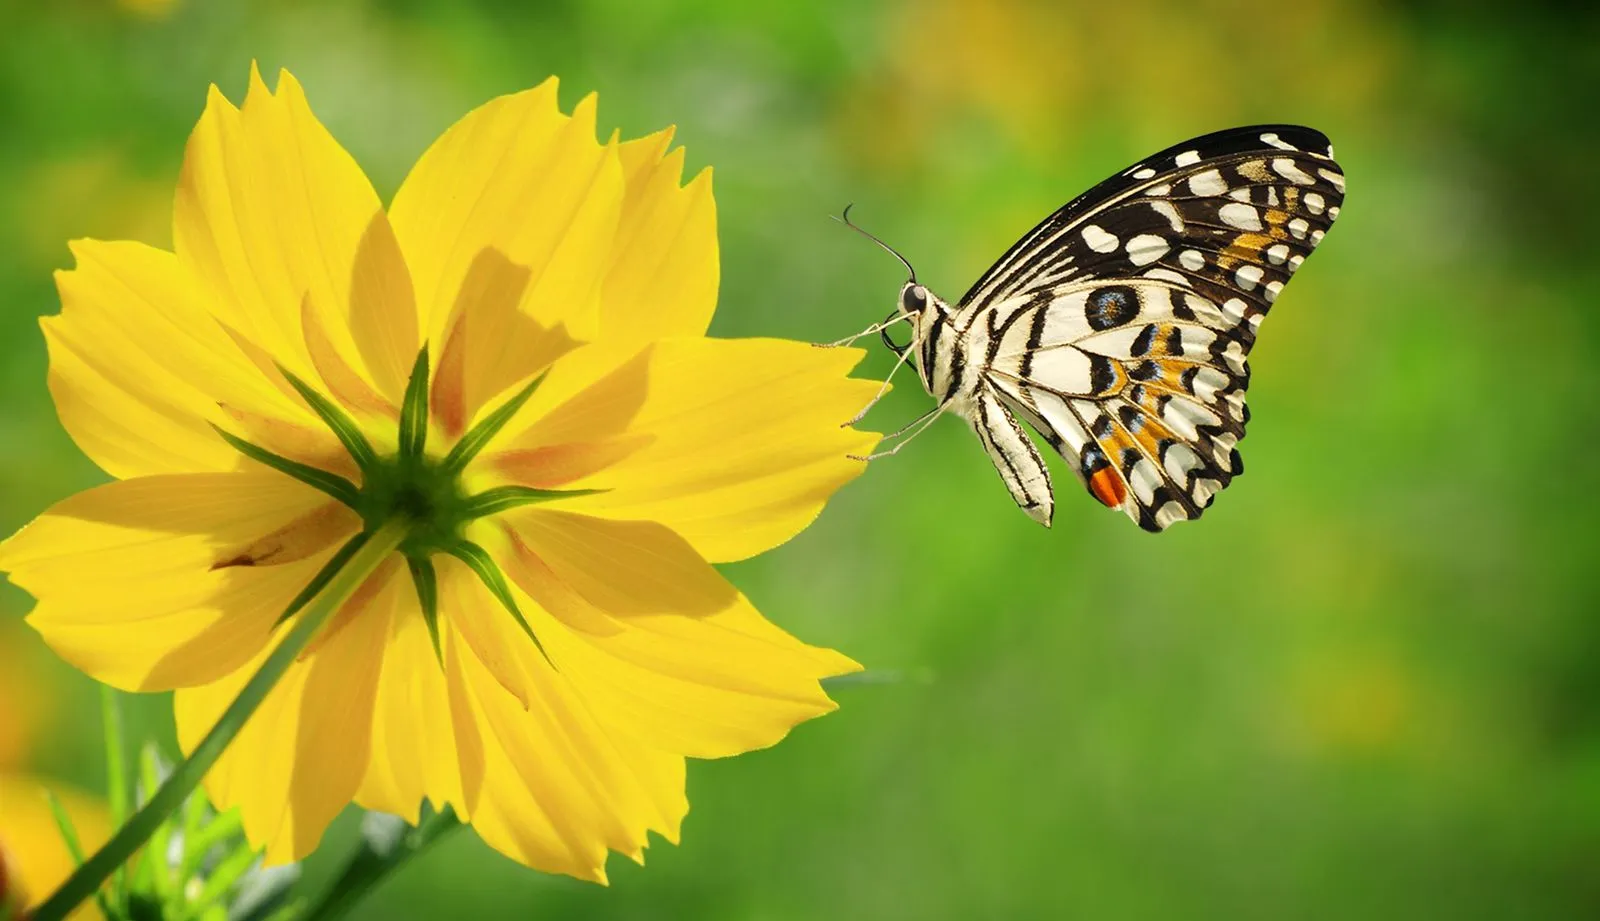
x=1273, y=289
x=1159, y=190
x=1298, y=227
x=1144, y=480
x=1169, y=211
x=1295, y=261
x=1273, y=139
x=1315, y=203
x=1289, y=170
x=1165, y=274
x=1242, y=216
x=1337, y=179
x=1147, y=248
x=1278, y=253
x=1333, y=213
x=1192, y=260
x=1187, y=158
x=1248, y=277
x=1145, y=173
x=1208, y=183
x=1098, y=239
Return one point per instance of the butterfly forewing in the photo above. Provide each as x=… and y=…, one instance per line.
x=1120, y=327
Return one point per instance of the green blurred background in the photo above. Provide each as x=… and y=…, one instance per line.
x=1366, y=685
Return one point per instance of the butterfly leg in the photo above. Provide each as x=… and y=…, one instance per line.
x=874, y=328
x=910, y=430
x=881, y=390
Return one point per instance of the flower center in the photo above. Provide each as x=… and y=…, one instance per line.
x=424, y=491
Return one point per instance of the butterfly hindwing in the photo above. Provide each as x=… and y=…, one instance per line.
x=1122, y=324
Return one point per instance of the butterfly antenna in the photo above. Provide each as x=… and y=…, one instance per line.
x=845, y=220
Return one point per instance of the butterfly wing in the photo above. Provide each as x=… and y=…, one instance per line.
x=1120, y=326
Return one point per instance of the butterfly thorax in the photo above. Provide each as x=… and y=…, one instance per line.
x=939, y=344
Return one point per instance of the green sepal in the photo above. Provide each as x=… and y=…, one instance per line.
x=324, y=576
x=331, y=483
x=345, y=428
x=504, y=498
x=426, y=581
x=475, y=439
x=414, y=410
x=488, y=570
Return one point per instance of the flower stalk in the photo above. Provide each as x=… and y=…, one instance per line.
x=89, y=876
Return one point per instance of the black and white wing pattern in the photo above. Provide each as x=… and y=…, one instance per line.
x=1120, y=327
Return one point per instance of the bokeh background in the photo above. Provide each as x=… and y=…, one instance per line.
x=1366, y=685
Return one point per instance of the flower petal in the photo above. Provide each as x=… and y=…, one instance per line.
x=560, y=787
x=745, y=438
x=299, y=760
x=663, y=275
x=172, y=581
x=417, y=750
x=507, y=223
x=684, y=663
x=138, y=367
x=279, y=219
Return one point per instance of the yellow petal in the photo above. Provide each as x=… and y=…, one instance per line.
x=745, y=438
x=34, y=859
x=559, y=787
x=687, y=664
x=417, y=752
x=300, y=758
x=663, y=275
x=138, y=367
x=142, y=583
x=507, y=223
x=274, y=214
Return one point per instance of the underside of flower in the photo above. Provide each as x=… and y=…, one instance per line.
x=425, y=492
x=572, y=451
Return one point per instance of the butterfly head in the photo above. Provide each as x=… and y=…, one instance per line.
x=914, y=298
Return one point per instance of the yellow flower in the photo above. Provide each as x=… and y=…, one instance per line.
x=34, y=859
x=571, y=451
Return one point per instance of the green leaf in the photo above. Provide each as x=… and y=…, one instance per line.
x=331, y=483
x=488, y=570
x=225, y=875
x=475, y=440
x=69, y=834
x=426, y=580
x=503, y=498
x=154, y=874
x=116, y=779
x=344, y=427
x=324, y=575
x=414, y=410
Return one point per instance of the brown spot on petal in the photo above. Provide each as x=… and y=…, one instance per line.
x=343, y=382
x=306, y=536
x=314, y=446
x=554, y=466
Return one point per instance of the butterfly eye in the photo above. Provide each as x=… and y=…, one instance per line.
x=913, y=299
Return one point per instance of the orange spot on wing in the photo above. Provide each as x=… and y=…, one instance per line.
x=1107, y=487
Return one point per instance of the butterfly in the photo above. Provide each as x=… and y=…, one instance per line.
x=1119, y=328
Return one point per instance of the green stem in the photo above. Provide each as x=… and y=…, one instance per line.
x=367, y=867
x=116, y=775
x=87, y=878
